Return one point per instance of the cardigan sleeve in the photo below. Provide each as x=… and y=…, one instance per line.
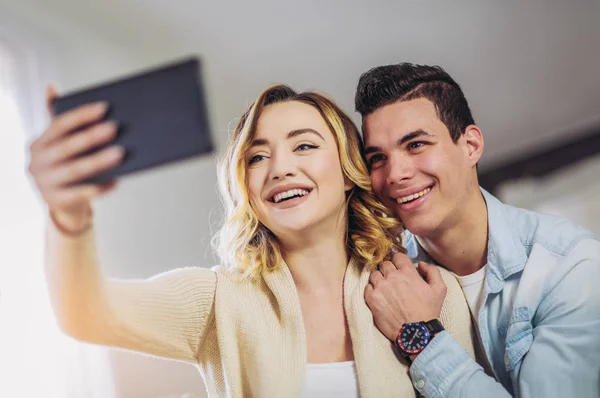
x=167, y=315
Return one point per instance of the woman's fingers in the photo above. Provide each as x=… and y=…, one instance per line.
x=55, y=162
x=72, y=120
x=84, y=167
x=78, y=194
x=51, y=95
x=79, y=143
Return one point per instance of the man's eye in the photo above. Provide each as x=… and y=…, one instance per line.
x=375, y=158
x=256, y=158
x=416, y=144
x=305, y=147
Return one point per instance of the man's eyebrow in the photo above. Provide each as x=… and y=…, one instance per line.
x=372, y=149
x=291, y=134
x=408, y=137
x=413, y=135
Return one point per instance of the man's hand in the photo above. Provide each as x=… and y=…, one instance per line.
x=399, y=293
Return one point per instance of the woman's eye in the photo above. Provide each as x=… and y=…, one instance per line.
x=256, y=158
x=305, y=147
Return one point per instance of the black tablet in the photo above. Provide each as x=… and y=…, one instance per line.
x=162, y=116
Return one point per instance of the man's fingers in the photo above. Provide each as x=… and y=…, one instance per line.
x=375, y=277
x=432, y=276
x=368, y=292
x=386, y=267
x=402, y=261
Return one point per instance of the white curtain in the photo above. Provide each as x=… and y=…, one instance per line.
x=573, y=192
x=36, y=359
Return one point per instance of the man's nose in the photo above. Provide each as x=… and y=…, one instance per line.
x=400, y=168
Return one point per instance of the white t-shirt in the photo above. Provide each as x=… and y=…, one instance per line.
x=325, y=380
x=472, y=286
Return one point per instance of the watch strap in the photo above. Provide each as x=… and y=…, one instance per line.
x=434, y=326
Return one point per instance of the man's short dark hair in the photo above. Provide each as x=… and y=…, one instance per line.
x=387, y=84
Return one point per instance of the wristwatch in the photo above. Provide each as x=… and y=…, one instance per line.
x=414, y=337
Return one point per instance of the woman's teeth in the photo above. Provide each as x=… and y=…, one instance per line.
x=413, y=196
x=288, y=194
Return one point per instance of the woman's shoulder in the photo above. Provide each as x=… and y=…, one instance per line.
x=218, y=271
x=449, y=279
x=184, y=273
x=235, y=277
x=216, y=274
x=240, y=297
x=229, y=273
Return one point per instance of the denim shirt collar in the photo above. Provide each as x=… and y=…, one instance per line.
x=506, y=254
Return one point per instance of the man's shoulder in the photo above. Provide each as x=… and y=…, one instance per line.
x=554, y=233
x=413, y=250
x=552, y=246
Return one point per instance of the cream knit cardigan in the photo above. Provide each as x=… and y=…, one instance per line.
x=248, y=337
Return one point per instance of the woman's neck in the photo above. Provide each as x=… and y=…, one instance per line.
x=319, y=264
x=318, y=256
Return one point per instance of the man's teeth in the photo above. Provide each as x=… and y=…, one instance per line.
x=288, y=194
x=413, y=196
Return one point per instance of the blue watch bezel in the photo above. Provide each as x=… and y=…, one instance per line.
x=425, y=339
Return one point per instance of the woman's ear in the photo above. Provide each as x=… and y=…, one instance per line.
x=348, y=184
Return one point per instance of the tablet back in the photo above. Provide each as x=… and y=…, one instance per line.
x=162, y=116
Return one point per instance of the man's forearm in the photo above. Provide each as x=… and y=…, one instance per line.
x=444, y=369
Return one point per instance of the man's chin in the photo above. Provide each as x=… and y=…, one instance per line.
x=420, y=226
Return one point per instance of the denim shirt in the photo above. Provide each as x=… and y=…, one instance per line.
x=540, y=321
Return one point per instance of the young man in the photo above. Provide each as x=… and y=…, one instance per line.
x=530, y=279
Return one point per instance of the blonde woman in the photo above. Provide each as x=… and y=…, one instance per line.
x=284, y=315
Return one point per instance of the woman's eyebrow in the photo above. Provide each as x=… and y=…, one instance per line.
x=295, y=133
x=291, y=134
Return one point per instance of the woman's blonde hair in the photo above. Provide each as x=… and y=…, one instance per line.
x=243, y=243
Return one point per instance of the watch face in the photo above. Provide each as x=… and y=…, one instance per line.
x=413, y=338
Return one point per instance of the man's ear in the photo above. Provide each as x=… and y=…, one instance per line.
x=473, y=140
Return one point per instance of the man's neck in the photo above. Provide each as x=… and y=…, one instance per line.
x=462, y=248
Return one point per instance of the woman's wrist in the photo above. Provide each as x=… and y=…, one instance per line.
x=72, y=226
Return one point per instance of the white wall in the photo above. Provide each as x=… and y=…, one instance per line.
x=156, y=220
x=572, y=192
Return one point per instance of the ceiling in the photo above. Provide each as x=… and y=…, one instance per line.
x=530, y=70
